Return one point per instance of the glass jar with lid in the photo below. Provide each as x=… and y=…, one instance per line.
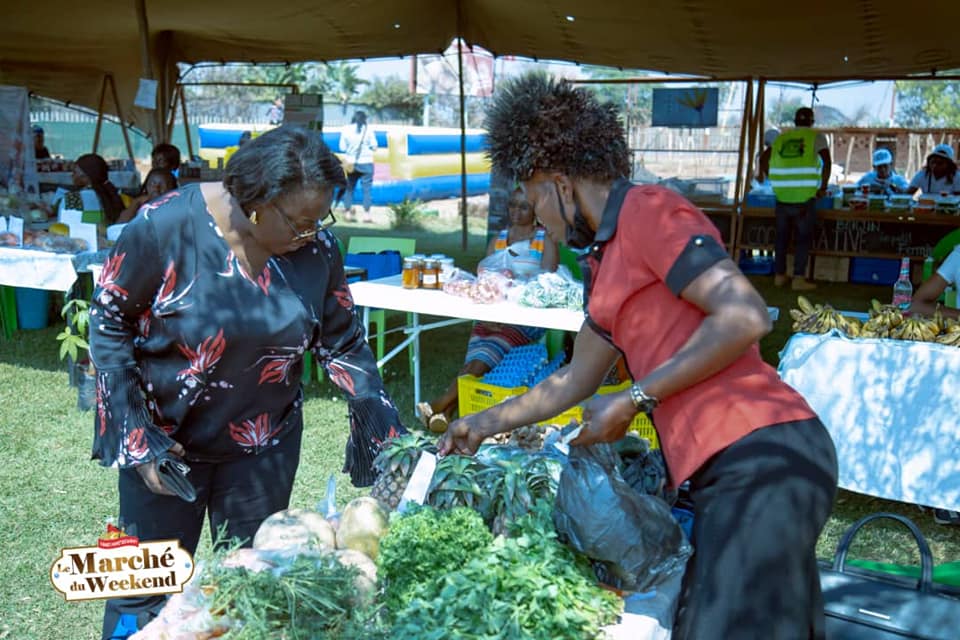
x=430, y=274
x=410, y=277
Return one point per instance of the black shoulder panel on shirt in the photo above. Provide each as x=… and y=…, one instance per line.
x=701, y=253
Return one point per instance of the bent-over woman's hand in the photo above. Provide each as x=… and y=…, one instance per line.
x=148, y=472
x=463, y=437
x=606, y=418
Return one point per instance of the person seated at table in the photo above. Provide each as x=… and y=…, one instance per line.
x=40, y=151
x=91, y=179
x=166, y=156
x=883, y=179
x=157, y=183
x=489, y=342
x=940, y=174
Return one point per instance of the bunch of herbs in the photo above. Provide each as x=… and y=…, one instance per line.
x=526, y=587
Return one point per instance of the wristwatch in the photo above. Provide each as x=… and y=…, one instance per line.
x=643, y=402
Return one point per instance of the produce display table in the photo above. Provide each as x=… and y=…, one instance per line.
x=387, y=293
x=891, y=407
x=872, y=234
x=36, y=269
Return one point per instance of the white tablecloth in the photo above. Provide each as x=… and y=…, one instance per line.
x=36, y=269
x=892, y=408
x=387, y=293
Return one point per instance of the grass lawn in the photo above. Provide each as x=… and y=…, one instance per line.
x=53, y=496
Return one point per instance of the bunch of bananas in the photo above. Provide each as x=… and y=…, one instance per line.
x=884, y=320
x=951, y=333
x=821, y=318
x=917, y=329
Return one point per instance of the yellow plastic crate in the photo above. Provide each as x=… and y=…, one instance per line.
x=476, y=395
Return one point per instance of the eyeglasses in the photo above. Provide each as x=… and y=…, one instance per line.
x=325, y=222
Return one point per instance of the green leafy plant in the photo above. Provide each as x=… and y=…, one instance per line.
x=74, y=336
x=527, y=587
x=425, y=543
x=407, y=214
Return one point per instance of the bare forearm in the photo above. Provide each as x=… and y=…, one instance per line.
x=551, y=397
x=929, y=307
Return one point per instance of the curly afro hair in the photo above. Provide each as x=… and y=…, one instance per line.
x=539, y=123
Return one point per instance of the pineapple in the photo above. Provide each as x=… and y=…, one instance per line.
x=455, y=484
x=395, y=465
x=512, y=486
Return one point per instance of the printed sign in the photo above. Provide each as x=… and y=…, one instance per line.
x=121, y=566
x=689, y=107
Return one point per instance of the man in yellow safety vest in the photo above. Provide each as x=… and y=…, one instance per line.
x=798, y=166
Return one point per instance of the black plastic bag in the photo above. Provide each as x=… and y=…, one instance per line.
x=632, y=536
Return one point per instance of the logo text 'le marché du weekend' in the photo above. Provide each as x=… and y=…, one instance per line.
x=121, y=566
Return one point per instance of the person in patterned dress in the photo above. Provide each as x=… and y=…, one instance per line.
x=200, y=322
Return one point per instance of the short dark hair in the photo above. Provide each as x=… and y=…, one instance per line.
x=169, y=153
x=539, y=123
x=164, y=173
x=282, y=160
x=803, y=113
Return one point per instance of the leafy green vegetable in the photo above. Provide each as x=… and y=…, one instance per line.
x=308, y=597
x=527, y=587
x=426, y=543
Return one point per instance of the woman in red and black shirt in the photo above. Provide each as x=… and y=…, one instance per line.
x=661, y=290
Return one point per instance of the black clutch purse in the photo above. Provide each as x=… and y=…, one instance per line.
x=173, y=475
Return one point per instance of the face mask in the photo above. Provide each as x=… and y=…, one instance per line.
x=579, y=235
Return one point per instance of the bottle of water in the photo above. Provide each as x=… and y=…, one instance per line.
x=903, y=288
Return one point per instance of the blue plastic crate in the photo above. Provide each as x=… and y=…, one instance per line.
x=759, y=266
x=874, y=270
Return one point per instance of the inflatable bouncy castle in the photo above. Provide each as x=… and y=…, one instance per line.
x=412, y=163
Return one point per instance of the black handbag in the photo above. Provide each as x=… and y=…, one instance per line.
x=861, y=604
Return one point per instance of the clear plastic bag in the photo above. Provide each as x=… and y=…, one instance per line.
x=497, y=262
x=634, y=538
x=557, y=290
x=460, y=283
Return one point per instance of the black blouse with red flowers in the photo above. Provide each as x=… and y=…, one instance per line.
x=188, y=347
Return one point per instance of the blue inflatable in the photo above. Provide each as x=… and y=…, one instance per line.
x=433, y=188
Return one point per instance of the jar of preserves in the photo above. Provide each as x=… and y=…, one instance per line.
x=411, y=273
x=430, y=274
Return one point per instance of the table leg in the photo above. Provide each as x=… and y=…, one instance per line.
x=415, y=317
x=366, y=323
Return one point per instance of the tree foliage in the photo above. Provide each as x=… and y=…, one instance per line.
x=392, y=94
x=928, y=104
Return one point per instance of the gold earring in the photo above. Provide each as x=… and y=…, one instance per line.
x=253, y=217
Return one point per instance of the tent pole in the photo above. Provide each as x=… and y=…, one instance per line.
x=186, y=123
x=145, y=59
x=741, y=183
x=463, y=129
x=123, y=127
x=96, y=132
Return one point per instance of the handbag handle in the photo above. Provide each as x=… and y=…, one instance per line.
x=925, y=584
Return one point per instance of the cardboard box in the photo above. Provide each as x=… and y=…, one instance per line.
x=831, y=268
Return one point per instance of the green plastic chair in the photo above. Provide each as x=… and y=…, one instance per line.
x=375, y=244
x=8, y=311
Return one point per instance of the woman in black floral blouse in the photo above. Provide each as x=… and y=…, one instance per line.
x=199, y=324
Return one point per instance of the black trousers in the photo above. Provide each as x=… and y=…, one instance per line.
x=238, y=495
x=760, y=505
x=804, y=216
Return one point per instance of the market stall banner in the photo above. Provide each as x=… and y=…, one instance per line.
x=892, y=408
x=856, y=237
